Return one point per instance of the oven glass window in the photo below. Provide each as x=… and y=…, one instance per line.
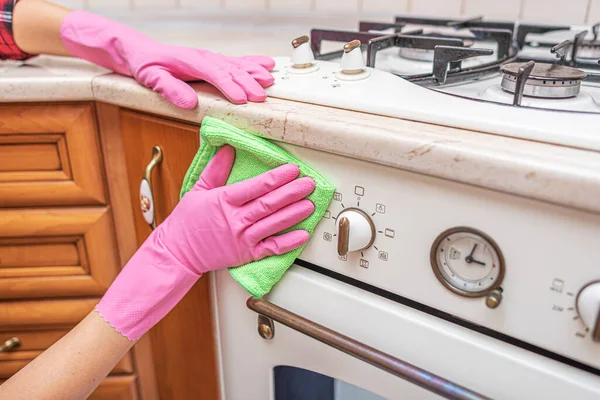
x=293, y=383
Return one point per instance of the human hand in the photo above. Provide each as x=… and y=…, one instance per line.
x=164, y=68
x=214, y=226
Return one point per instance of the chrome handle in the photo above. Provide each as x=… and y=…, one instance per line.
x=361, y=351
x=147, y=203
x=10, y=344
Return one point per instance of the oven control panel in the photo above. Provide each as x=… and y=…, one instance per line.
x=526, y=269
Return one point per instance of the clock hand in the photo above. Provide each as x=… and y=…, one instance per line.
x=469, y=258
x=477, y=262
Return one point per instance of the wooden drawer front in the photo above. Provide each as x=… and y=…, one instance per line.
x=56, y=252
x=49, y=155
x=49, y=314
x=114, y=388
x=33, y=343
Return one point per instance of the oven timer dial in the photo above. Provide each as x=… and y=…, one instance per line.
x=469, y=263
x=355, y=231
x=588, y=308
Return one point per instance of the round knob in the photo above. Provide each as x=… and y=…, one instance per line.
x=302, y=55
x=353, y=61
x=588, y=308
x=355, y=231
x=494, y=298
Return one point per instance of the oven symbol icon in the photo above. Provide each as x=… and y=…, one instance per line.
x=363, y=263
x=383, y=256
x=327, y=236
x=380, y=208
x=337, y=196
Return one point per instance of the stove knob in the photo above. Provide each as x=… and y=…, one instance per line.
x=355, y=231
x=302, y=55
x=353, y=61
x=588, y=308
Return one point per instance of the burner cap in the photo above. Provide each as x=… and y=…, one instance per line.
x=546, y=80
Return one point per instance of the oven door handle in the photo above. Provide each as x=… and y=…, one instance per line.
x=361, y=351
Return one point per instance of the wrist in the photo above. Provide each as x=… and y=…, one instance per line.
x=147, y=288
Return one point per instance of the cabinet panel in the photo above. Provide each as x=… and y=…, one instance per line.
x=49, y=155
x=56, y=252
x=27, y=315
x=182, y=343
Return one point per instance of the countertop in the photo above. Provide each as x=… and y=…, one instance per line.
x=555, y=174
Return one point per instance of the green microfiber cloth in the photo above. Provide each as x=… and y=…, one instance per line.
x=254, y=156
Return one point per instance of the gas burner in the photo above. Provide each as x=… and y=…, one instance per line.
x=544, y=81
x=417, y=54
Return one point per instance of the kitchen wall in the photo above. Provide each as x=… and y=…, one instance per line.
x=572, y=11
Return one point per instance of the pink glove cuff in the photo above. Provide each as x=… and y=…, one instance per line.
x=149, y=286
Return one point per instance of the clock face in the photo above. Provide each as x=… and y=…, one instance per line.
x=467, y=261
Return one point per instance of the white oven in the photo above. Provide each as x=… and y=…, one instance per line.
x=392, y=321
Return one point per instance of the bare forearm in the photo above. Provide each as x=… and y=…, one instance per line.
x=36, y=27
x=73, y=367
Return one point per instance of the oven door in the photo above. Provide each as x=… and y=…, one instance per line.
x=349, y=344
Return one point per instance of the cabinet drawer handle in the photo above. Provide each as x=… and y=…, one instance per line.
x=10, y=344
x=361, y=351
x=146, y=196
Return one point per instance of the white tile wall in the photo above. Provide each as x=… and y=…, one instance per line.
x=200, y=3
x=566, y=11
x=109, y=4
x=385, y=6
x=493, y=8
x=245, y=4
x=73, y=4
x=293, y=5
x=339, y=5
x=594, y=13
x=436, y=8
x=154, y=3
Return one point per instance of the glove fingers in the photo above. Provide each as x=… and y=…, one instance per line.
x=233, y=91
x=242, y=192
x=174, y=90
x=256, y=71
x=281, y=244
x=279, y=198
x=280, y=221
x=217, y=171
x=254, y=91
x=266, y=62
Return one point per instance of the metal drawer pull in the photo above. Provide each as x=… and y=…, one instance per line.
x=365, y=353
x=10, y=344
x=146, y=196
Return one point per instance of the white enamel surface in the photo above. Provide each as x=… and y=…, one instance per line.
x=542, y=246
x=353, y=60
x=386, y=94
x=360, y=230
x=146, y=192
x=588, y=304
x=483, y=364
x=302, y=54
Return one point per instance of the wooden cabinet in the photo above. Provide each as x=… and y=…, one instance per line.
x=50, y=155
x=183, y=342
x=58, y=247
x=70, y=219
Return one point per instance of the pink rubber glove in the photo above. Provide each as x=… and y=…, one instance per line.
x=213, y=226
x=161, y=67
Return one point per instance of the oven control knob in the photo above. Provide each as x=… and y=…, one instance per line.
x=302, y=56
x=355, y=231
x=353, y=66
x=588, y=308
